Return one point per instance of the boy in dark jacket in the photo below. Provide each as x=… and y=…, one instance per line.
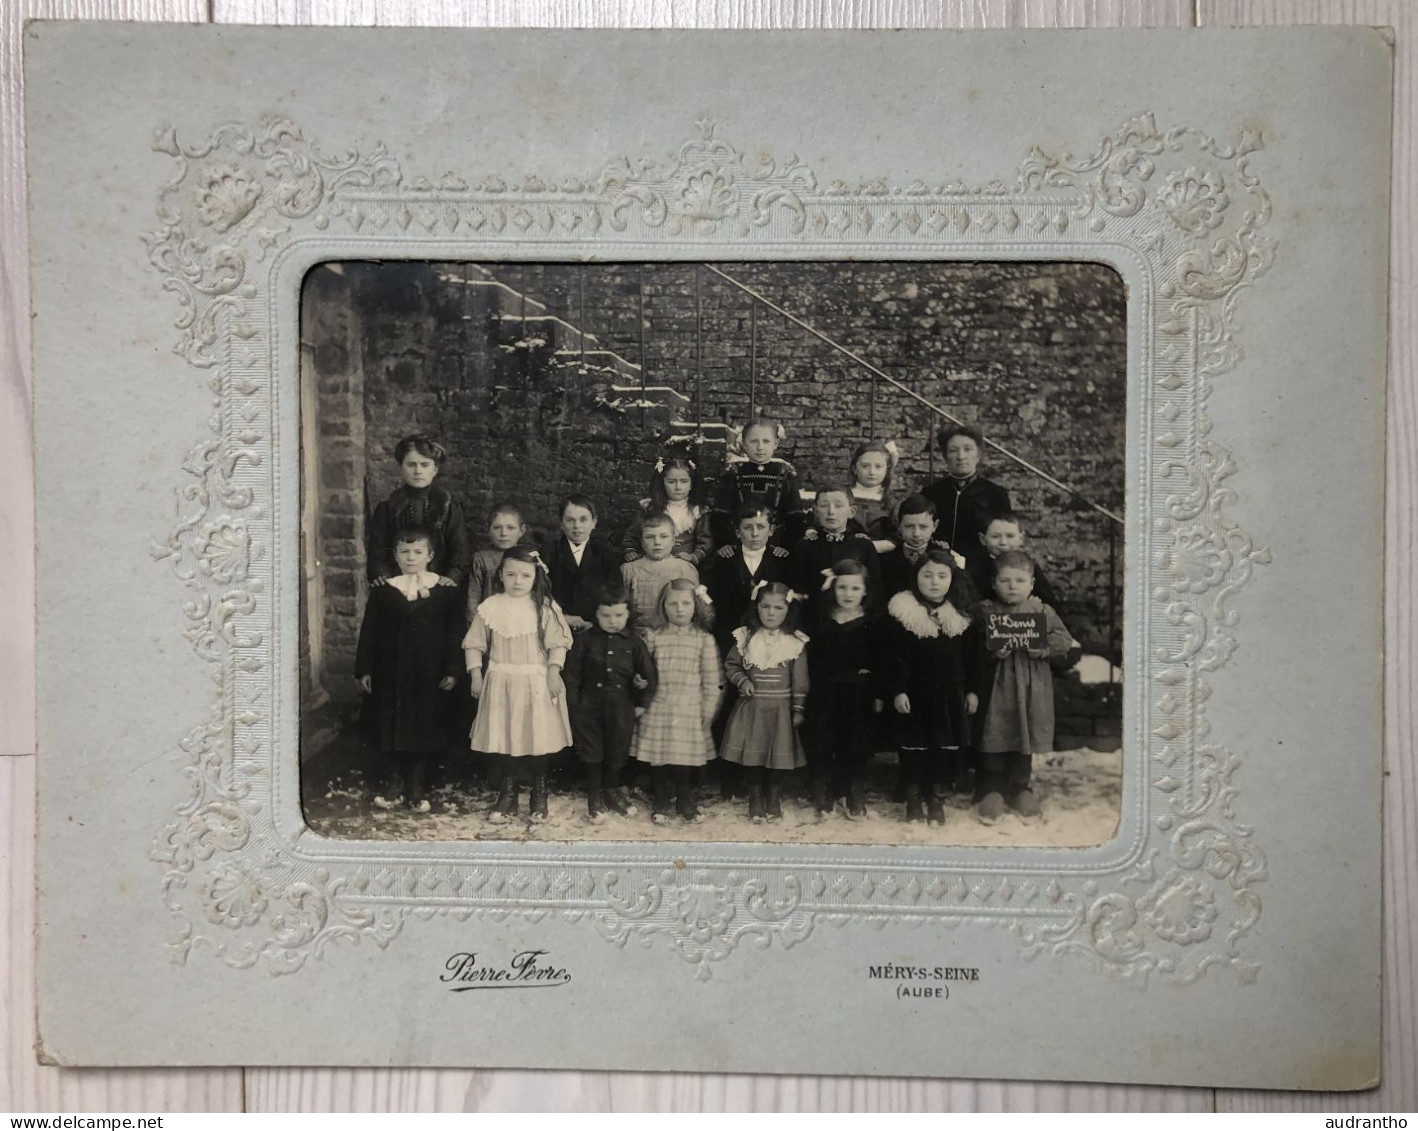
x=1003, y=532
x=830, y=540
x=610, y=679
x=579, y=564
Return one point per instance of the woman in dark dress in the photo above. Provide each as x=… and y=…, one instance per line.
x=964, y=500
x=419, y=502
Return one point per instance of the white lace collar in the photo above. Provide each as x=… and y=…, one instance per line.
x=764, y=650
x=414, y=585
x=509, y=616
x=927, y=623
x=875, y=494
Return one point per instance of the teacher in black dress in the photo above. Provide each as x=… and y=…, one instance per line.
x=964, y=500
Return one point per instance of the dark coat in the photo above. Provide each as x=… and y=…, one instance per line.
x=729, y=583
x=406, y=647
x=931, y=671
x=601, y=693
x=435, y=510
x=964, y=513
x=847, y=666
x=898, y=570
x=575, y=587
x=816, y=551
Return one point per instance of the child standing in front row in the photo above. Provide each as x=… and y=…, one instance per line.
x=768, y=667
x=673, y=735
x=1013, y=692
x=927, y=645
x=610, y=680
x=845, y=668
x=675, y=490
x=646, y=576
x=521, y=633
x=731, y=576
x=407, y=663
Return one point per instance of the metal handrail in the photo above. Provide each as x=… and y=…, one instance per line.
x=935, y=408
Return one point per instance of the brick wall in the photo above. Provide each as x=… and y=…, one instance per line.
x=1033, y=354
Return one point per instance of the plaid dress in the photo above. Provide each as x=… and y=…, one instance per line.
x=646, y=579
x=673, y=731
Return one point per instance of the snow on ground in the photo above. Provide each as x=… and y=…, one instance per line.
x=1080, y=792
x=1097, y=669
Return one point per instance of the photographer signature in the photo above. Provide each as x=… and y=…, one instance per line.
x=525, y=970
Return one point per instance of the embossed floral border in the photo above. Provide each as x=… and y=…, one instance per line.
x=1183, y=208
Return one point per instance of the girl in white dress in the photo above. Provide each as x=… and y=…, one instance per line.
x=522, y=634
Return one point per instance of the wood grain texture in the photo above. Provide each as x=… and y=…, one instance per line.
x=24, y=1084
x=1399, y=1090
x=515, y=1090
x=710, y=13
x=26, y=1087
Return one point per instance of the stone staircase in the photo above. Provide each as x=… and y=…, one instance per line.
x=525, y=329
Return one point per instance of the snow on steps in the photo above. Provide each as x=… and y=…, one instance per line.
x=555, y=343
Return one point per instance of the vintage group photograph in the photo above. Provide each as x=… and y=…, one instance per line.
x=808, y=552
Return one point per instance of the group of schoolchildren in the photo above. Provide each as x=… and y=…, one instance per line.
x=739, y=623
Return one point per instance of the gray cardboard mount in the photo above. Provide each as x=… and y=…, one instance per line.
x=183, y=179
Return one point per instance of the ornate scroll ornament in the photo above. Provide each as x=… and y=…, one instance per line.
x=1177, y=903
x=709, y=187
x=236, y=196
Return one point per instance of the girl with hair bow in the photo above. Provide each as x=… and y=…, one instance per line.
x=767, y=665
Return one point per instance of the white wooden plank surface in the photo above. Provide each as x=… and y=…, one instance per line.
x=26, y=1087
x=1399, y=1091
